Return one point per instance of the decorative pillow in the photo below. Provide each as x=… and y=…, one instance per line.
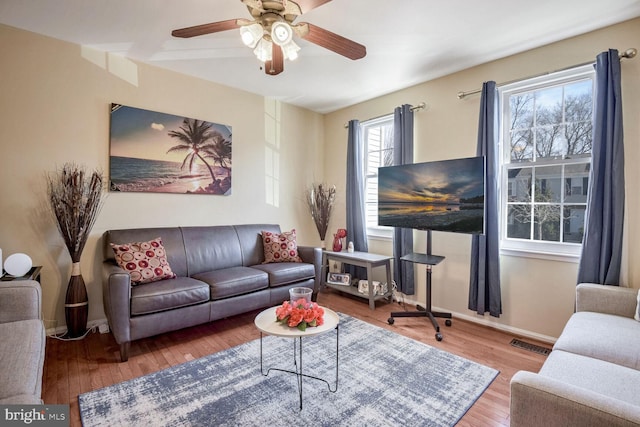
x=144, y=261
x=280, y=247
x=637, y=315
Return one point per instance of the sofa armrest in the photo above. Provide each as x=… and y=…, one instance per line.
x=606, y=299
x=313, y=255
x=20, y=300
x=116, y=296
x=537, y=400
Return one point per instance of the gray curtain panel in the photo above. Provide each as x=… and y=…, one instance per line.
x=602, y=242
x=355, y=198
x=403, y=272
x=484, y=286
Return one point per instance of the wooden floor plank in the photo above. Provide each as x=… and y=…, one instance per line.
x=76, y=367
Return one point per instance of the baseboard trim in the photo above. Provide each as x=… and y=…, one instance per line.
x=506, y=328
x=97, y=324
x=492, y=324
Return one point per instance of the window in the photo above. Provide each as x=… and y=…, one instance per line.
x=378, y=143
x=546, y=157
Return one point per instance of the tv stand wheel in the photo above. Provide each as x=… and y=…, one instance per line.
x=390, y=320
x=438, y=336
x=447, y=322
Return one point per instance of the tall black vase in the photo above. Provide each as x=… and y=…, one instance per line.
x=76, y=304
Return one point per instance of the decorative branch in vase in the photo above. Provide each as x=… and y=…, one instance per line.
x=320, y=199
x=76, y=199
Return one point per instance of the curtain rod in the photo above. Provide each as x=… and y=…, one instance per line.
x=418, y=107
x=627, y=54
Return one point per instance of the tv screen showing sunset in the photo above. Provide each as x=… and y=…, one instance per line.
x=445, y=195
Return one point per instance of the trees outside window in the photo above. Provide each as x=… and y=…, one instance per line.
x=546, y=157
x=378, y=139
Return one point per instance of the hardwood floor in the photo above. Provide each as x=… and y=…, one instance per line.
x=75, y=367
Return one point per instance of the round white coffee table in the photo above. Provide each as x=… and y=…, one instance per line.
x=266, y=323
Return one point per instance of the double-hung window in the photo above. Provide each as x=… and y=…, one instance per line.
x=378, y=143
x=545, y=160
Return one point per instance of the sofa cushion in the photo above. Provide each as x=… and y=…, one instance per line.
x=284, y=273
x=609, y=379
x=233, y=281
x=21, y=361
x=145, y=262
x=167, y=294
x=211, y=248
x=172, y=240
x=250, y=237
x=602, y=336
x=280, y=247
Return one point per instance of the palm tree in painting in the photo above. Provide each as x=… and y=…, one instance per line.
x=196, y=139
x=220, y=152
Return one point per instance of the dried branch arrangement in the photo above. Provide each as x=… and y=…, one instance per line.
x=76, y=199
x=320, y=199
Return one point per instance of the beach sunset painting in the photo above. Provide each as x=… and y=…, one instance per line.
x=162, y=153
x=446, y=195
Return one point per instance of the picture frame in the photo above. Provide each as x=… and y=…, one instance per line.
x=343, y=279
x=155, y=152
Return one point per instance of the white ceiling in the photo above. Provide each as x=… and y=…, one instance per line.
x=408, y=41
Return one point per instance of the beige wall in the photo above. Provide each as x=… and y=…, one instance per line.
x=537, y=294
x=54, y=108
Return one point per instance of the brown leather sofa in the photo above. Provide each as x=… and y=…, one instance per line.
x=220, y=273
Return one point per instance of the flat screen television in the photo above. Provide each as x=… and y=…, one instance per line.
x=445, y=195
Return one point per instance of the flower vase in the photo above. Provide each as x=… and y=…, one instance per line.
x=76, y=304
x=337, y=243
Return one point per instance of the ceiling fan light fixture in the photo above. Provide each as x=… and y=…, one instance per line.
x=263, y=50
x=290, y=50
x=270, y=32
x=251, y=34
x=281, y=33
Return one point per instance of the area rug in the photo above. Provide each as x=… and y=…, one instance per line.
x=385, y=379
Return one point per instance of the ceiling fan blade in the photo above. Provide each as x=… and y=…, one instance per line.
x=331, y=41
x=276, y=65
x=203, y=29
x=307, y=5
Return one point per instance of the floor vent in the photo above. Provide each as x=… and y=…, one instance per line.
x=531, y=347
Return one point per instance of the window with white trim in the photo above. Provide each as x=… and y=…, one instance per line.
x=378, y=143
x=545, y=161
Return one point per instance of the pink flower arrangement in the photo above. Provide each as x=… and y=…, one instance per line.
x=300, y=314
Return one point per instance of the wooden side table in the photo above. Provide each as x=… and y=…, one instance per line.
x=32, y=274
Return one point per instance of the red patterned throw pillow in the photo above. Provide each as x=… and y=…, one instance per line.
x=144, y=261
x=280, y=247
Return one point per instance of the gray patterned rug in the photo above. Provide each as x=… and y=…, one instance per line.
x=385, y=379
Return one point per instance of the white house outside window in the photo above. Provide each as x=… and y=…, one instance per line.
x=546, y=156
x=378, y=140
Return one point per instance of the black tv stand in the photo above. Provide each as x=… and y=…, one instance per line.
x=429, y=261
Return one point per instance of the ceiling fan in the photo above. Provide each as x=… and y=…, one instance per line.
x=271, y=31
